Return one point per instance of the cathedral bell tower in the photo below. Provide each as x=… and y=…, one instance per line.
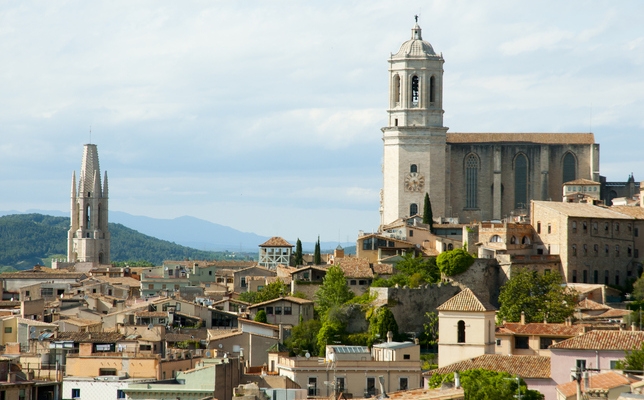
x=414, y=160
x=88, y=239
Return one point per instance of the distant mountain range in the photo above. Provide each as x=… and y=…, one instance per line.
x=196, y=235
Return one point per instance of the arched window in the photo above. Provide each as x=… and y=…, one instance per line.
x=461, y=331
x=87, y=216
x=413, y=168
x=569, y=168
x=432, y=89
x=415, y=90
x=413, y=209
x=450, y=247
x=525, y=240
x=513, y=240
x=496, y=239
x=98, y=217
x=471, y=180
x=100, y=258
x=521, y=181
x=396, y=89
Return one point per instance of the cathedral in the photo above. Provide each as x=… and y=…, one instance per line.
x=471, y=176
x=88, y=238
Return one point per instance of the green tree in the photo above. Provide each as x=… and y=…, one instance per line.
x=381, y=322
x=317, y=256
x=333, y=292
x=429, y=335
x=271, y=291
x=454, y=262
x=304, y=337
x=634, y=360
x=412, y=271
x=261, y=316
x=482, y=384
x=299, y=258
x=539, y=296
x=428, y=215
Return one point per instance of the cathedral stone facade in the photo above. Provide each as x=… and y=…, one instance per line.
x=88, y=238
x=472, y=176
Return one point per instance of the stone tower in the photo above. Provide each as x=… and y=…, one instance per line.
x=414, y=160
x=88, y=239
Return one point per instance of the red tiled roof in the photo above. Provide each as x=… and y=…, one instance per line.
x=355, y=267
x=276, y=241
x=534, y=367
x=607, y=380
x=603, y=340
x=466, y=300
x=383, y=269
x=292, y=299
x=614, y=313
x=539, y=329
x=545, y=138
x=587, y=304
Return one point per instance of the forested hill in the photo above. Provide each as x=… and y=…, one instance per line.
x=28, y=239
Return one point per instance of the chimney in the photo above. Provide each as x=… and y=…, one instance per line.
x=522, y=318
x=390, y=337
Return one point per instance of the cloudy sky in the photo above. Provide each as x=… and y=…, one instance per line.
x=265, y=115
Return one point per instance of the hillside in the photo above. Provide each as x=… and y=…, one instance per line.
x=27, y=239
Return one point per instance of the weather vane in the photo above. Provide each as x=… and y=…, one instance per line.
x=416, y=18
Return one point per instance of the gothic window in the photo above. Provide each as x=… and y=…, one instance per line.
x=525, y=240
x=415, y=90
x=471, y=180
x=569, y=168
x=461, y=331
x=396, y=90
x=432, y=89
x=98, y=217
x=496, y=239
x=521, y=181
x=87, y=216
x=513, y=240
x=100, y=258
x=413, y=209
x=413, y=168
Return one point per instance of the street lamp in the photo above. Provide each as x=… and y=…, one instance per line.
x=518, y=385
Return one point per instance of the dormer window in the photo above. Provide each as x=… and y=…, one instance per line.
x=413, y=168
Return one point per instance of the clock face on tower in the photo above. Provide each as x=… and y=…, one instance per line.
x=414, y=182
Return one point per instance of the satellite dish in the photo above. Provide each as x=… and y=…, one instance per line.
x=150, y=326
x=221, y=346
x=207, y=354
x=307, y=355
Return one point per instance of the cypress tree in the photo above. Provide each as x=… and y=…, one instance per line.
x=428, y=216
x=317, y=257
x=299, y=260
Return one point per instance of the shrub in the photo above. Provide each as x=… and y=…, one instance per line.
x=454, y=262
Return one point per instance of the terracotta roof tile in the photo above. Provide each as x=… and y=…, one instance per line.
x=354, y=267
x=276, y=241
x=581, y=210
x=587, y=304
x=540, y=138
x=539, y=329
x=292, y=299
x=606, y=380
x=581, y=181
x=534, y=367
x=614, y=313
x=466, y=300
x=383, y=269
x=90, y=337
x=635, y=212
x=603, y=340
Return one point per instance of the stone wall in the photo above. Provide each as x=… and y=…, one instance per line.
x=410, y=305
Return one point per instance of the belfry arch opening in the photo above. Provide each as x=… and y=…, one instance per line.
x=415, y=90
x=432, y=89
x=396, y=90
